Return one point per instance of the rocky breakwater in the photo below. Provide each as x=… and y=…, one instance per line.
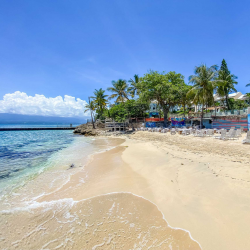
x=87, y=129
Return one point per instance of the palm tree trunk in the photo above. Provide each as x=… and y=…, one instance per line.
x=91, y=111
x=202, y=115
x=93, y=124
x=228, y=107
x=184, y=108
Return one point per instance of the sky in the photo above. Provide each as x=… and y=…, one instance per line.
x=54, y=54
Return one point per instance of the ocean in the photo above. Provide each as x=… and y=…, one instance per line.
x=24, y=155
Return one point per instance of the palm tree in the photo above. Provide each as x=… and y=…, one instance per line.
x=133, y=89
x=225, y=85
x=203, y=85
x=120, y=90
x=100, y=100
x=90, y=107
x=248, y=85
x=184, y=99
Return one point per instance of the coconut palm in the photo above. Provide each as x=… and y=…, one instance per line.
x=204, y=82
x=90, y=107
x=100, y=100
x=133, y=89
x=225, y=85
x=184, y=99
x=248, y=85
x=120, y=90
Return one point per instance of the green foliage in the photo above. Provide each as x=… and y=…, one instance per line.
x=168, y=90
x=133, y=89
x=100, y=102
x=248, y=98
x=224, y=67
x=204, y=84
x=122, y=111
x=237, y=104
x=117, y=112
x=119, y=90
x=225, y=83
x=90, y=107
x=161, y=87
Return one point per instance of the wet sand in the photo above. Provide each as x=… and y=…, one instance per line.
x=104, y=205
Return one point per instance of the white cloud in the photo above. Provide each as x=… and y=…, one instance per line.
x=21, y=103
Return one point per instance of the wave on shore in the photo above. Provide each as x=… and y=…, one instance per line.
x=112, y=221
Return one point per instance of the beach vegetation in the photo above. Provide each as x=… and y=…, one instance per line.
x=133, y=88
x=204, y=83
x=237, y=104
x=125, y=110
x=163, y=88
x=248, y=98
x=100, y=101
x=119, y=91
x=91, y=107
x=169, y=91
x=226, y=83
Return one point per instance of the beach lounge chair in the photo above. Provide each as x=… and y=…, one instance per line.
x=221, y=135
x=165, y=130
x=210, y=132
x=230, y=135
x=247, y=140
x=173, y=131
x=200, y=133
x=186, y=132
x=238, y=133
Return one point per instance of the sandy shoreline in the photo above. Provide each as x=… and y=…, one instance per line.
x=189, y=180
x=195, y=187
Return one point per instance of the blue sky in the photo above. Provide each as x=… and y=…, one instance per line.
x=57, y=48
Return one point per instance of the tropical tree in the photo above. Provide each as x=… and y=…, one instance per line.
x=248, y=85
x=119, y=90
x=248, y=98
x=90, y=107
x=226, y=83
x=185, y=100
x=100, y=101
x=133, y=85
x=132, y=108
x=161, y=87
x=204, y=83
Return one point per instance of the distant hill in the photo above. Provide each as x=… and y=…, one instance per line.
x=33, y=119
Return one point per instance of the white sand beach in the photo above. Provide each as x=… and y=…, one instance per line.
x=152, y=191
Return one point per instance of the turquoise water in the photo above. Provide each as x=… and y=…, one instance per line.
x=36, y=125
x=24, y=150
x=26, y=156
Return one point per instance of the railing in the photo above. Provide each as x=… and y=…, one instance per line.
x=212, y=114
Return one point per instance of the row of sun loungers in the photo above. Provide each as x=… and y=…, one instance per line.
x=221, y=134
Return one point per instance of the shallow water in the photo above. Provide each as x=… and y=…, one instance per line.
x=42, y=204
